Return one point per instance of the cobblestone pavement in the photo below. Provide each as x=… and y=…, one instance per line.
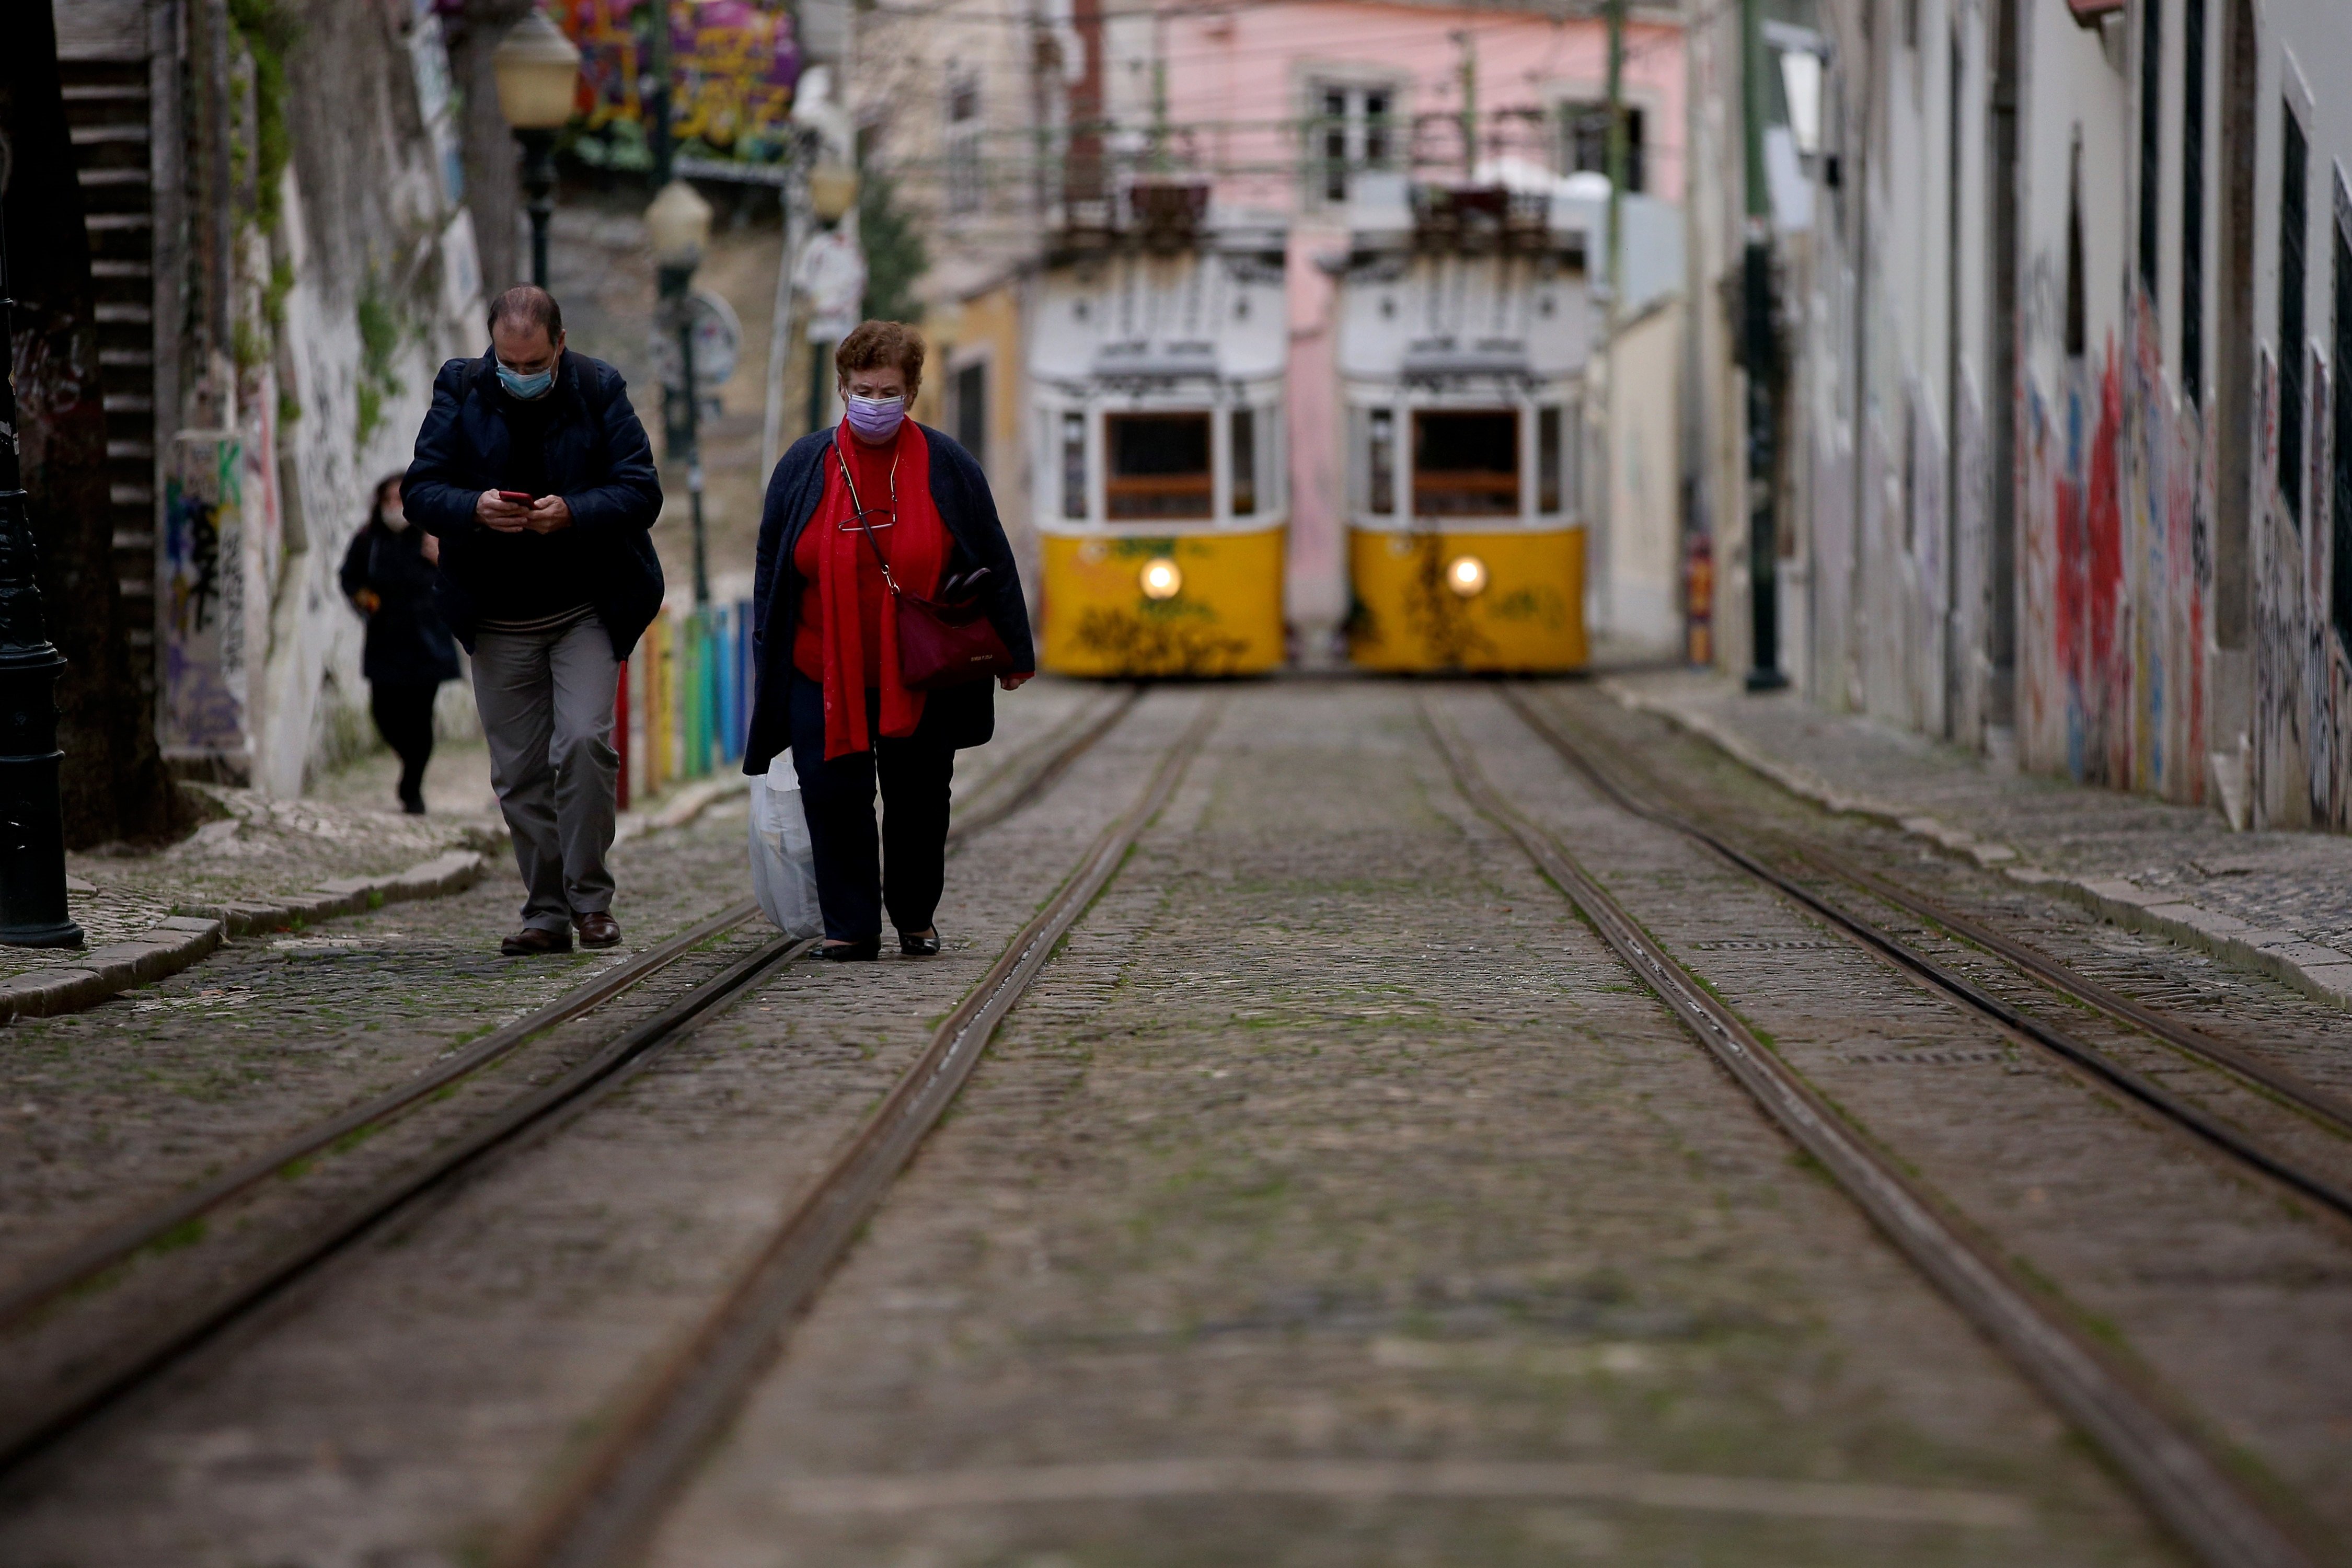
x=406, y=1394
x=2300, y=882
x=1334, y=1197
x=1334, y=1173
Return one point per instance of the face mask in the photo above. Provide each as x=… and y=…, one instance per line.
x=395, y=520
x=526, y=386
x=875, y=419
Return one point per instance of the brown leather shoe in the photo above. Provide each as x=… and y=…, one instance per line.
x=599, y=930
x=535, y=941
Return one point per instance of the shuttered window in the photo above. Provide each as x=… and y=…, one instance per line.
x=2295, y=224
x=2151, y=126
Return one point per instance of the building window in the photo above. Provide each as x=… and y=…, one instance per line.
x=1354, y=129
x=2192, y=200
x=964, y=172
x=2151, y=134
x=1584, y=141
x=1245, y=460
x=2078, y=326
x=971, y=410
x=2340, y=511
x=2294, y=226
x=1465, y=464
x=1159, y=469
x=1074, y=466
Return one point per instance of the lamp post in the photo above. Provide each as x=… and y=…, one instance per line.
x=677, y=224
x=832, y=192
x=538, y=71
x=33, y=850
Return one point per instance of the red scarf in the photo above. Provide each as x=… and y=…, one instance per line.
x=916, y=550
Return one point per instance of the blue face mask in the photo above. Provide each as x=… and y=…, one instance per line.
x=526, y=386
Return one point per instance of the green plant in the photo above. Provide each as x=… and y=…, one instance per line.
x=267, y=29
x=896, y=257
x=380, y=336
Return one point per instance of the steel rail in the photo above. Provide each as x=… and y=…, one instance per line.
x=610, y=1500
x=27, y=1431
x=2281, y=1168
x=2179, y=1481
x=52, y=1278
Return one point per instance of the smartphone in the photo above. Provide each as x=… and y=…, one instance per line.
x=520, y=498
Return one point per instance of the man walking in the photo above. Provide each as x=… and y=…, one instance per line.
x=534, y=473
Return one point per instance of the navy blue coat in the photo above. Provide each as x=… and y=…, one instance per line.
x=965, y=715
x=598, y=461
x=406, y=643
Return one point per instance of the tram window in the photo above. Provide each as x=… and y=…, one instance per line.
x=1372, y=467
x=1074, y=465
x=1548, y=469
x=1244, y=462
x=1465, y=464
x=1159, y=466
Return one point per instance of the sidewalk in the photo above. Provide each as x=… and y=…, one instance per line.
x=267, y=865
x=2279, y=904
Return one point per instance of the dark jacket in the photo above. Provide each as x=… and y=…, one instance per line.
x=960, y=489
x=597, y=460
x=408, y=645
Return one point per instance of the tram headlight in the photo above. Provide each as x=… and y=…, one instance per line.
x=1160, y=578
x=1466, y=575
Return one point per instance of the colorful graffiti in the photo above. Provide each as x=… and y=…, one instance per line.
x=204, y=677
x=733, y=67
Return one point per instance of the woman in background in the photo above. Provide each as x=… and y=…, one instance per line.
x=388, y=576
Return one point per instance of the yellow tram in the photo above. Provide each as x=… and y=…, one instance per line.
x=1462, y=342
x=1156, y=360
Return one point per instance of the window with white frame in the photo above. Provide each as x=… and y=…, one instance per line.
x=963, y=169
x=1351, y=128
x=1584, y=141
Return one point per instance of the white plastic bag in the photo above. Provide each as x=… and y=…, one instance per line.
x=783, y=863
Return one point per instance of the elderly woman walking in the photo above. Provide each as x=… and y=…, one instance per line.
x=856, y=517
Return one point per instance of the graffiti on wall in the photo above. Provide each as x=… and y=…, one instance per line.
x=733, y=67
x=204, y=685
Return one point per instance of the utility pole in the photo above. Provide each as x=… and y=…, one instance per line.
x=1469, y=102
x=33, y=852
x=1759, y=359
x=1612, y=307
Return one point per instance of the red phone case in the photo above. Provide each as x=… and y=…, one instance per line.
x=520, y=498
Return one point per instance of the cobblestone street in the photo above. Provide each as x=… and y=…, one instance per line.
x=1332, y=1196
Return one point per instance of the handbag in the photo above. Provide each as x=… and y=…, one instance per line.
x=940, y=643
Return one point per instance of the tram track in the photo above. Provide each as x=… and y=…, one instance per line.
x=2154, y=1445
x=97, y=1379
x=1640, y=797
x=609, y=1500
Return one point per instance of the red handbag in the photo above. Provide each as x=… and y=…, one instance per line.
x=940, y=645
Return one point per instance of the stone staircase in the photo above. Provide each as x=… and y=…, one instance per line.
x=107, y=106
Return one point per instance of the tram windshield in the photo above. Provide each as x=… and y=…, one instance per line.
x=1466, y=463
x=1159, y=468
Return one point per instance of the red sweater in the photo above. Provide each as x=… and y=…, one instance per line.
x=870, y=467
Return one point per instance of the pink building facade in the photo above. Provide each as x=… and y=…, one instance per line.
x=1289, y=108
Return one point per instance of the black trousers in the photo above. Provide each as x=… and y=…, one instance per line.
x=404, y=717
x=853, y=885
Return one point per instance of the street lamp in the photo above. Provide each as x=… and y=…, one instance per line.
x=538, y=71
x=677, y=224
x=832, y=193
x=32, y=851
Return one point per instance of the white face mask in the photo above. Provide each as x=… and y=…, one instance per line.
x=395, y=520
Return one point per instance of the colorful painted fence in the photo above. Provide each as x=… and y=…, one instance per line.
x=685, y=702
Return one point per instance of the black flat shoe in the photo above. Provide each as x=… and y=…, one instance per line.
x=850, y=952
x=916, y=946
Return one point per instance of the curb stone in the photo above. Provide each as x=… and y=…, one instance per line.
x=193, y=930
x=2319, y=972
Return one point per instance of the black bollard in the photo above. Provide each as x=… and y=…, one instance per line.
x=32, y=824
